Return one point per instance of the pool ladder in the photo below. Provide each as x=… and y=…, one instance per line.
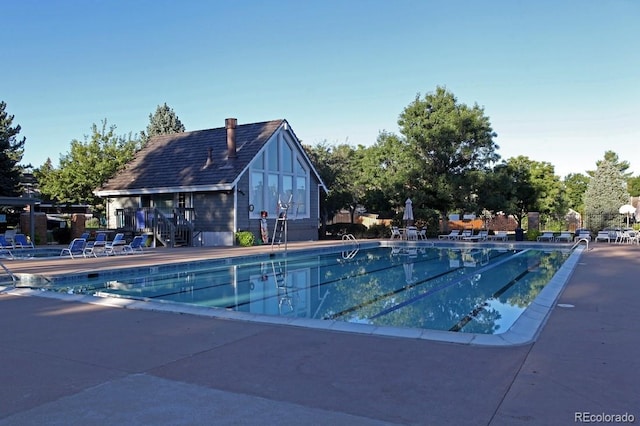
x=353, y=250
x=13, y=277
x=586, y=241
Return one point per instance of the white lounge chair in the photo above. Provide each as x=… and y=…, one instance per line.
x=450, y=236
x=564, y=237
x=499, y=236
x=582, y=234
x=604, y=236
x=546, y=236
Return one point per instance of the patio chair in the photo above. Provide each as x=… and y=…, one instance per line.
x=422, y=234
x=94, y=248
x=76, y=248
x=454, y=234
x=135, y=245
x=412, y=233
x=483, y=235
x=4, y=244
x=116, y=245
x=395, y=233
x=582, y=234
x=21, y=241
x=603, y=236
x=546, y=236
x=564, y=237
x=465, y=234
x=499, y=236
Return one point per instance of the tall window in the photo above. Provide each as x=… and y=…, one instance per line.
x=279, y=175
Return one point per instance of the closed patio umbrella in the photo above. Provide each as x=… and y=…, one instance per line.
x=627, y=209
x=408, y=211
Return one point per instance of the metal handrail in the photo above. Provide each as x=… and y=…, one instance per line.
x=579, y=241
x=13, y=277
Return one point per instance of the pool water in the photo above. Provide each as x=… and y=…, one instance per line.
x=467, y=290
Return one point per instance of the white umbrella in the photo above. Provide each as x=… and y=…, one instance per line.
x=408, y=210
x=627, y=209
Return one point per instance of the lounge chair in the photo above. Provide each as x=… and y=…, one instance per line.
x=466, y=234
x=4, y=244
x=499, y=236
x=94, y=248
x=582, y=234
x=116, y=245
x=546, y=236
x=450, y=236
x=76, y=248
x=21, y=241
x=564, y=237
x=604, y=236
x=135, y=245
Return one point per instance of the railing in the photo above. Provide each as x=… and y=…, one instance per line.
x=585, y=240
x=175, y=228
x=352, y=251
x=13, y=277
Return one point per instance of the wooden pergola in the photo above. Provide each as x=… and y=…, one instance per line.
x=22, y=202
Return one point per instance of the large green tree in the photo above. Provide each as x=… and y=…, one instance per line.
x=575, y=185
x=86, y=166
x=163, y=122
x=606, y=192
x=333, y=164
x=11, y=151
x=449, y=141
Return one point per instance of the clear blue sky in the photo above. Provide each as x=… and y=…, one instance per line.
x=559, y=80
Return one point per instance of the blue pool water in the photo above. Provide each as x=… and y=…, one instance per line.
x=469, y=289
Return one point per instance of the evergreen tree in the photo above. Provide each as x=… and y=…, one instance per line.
x=11, y=151
x=163, y=122
x=606, y=192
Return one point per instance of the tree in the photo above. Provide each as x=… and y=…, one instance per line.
x=521, y=185
x=575, y=185
x=11, y=151
x=163, y=122
x=448, y=140
x=613, y=158
x=606, y=192
x=87, y=166
x=633, y=186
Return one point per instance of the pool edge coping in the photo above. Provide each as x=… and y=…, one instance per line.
x=523, y=331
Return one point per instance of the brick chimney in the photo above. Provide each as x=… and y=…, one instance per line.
x=230, y=124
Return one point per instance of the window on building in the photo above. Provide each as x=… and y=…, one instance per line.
x=279, y=175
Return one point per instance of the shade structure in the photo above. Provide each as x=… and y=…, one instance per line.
x=408, y=210
x=627, y=209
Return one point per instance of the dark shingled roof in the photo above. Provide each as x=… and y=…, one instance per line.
x=177, y=160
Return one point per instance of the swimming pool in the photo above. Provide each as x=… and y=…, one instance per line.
x=468, y=290
x=30, y=253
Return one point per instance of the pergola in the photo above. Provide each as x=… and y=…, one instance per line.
x=21, y=202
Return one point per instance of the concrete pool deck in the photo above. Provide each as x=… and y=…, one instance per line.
x=65, y=362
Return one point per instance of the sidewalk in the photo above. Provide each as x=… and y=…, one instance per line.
x=68, y=363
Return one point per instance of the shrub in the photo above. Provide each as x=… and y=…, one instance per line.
x=245, y=238
x=532, y=234
x=377, y=231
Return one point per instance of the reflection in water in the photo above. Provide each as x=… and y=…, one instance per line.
x=468, y=290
